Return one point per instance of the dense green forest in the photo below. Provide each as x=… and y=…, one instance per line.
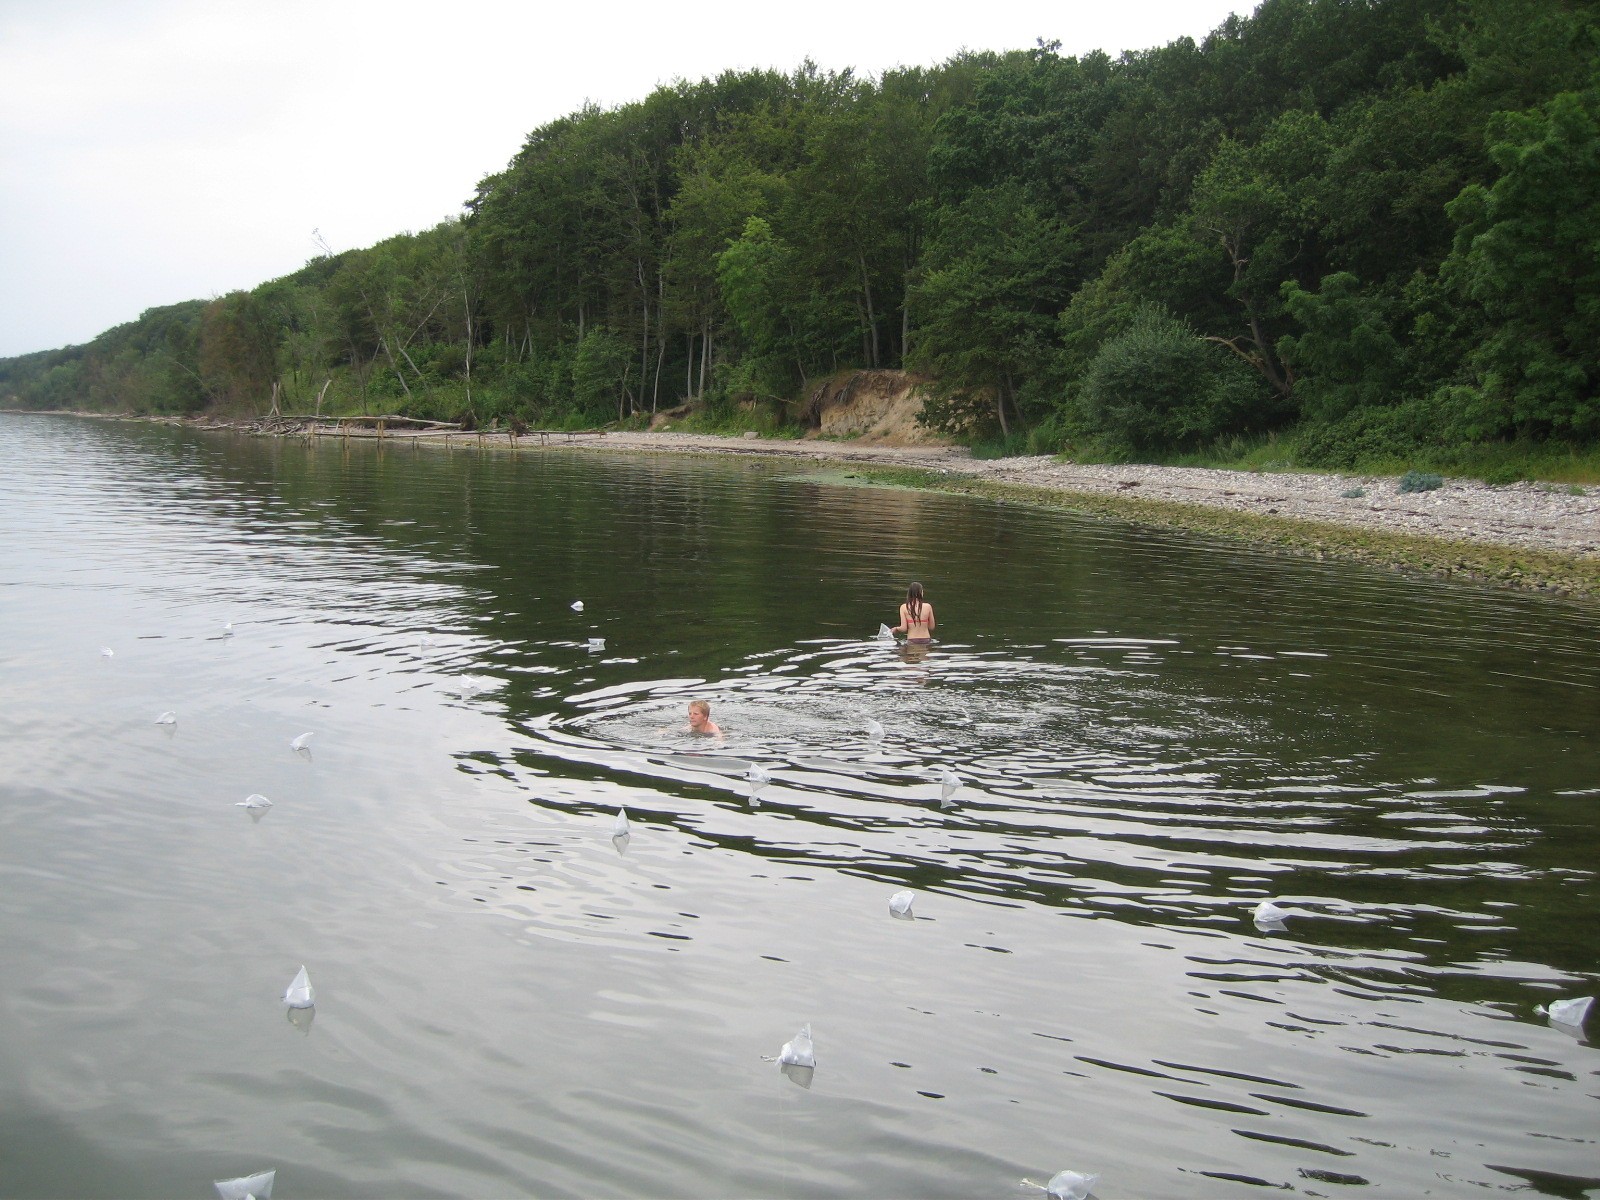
x=1371, y=227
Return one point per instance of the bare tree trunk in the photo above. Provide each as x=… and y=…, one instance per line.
x=705, y=353
x=644, y=327
x=383, y=343
x=323, y=393
x=688, y=366
x=1261, y=357
x=872, y=316
x=409, y=363
x=466, y=305
x=661, y=334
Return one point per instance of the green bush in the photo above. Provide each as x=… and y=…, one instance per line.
x=1420, y=481
x=1370, y=437
x=1002, y=447
x=1157, y=386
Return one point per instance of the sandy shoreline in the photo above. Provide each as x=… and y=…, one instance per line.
x=1528, y=535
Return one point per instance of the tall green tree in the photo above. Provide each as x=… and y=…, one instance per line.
x=1528, y=251
x=994, y=278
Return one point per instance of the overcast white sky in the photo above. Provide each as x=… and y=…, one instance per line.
x=153, y=151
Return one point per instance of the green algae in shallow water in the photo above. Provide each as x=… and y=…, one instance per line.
x=1550, y=571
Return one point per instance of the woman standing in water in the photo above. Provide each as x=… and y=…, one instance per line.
x=916, y=618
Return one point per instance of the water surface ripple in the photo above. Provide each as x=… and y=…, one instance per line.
x=1152, y=734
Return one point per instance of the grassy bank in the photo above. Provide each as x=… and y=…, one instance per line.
x=1500, y=566
x=1491, y=462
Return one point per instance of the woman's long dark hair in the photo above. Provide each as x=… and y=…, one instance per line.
x=914, y=604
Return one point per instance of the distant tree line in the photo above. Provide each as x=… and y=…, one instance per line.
x=1374, y=221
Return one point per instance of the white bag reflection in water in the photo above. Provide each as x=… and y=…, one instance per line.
x=257, y=1186
x=900, y=905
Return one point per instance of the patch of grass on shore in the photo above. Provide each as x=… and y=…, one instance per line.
x=1491, y=462
x=1502, y=566
x=729, y=420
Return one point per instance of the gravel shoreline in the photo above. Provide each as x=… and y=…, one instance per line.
x=1535, y=516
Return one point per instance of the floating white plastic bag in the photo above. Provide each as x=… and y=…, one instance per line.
x=302, y=743
x=300, y=994
x=257, y=1186
x=1268, y=915
x=107, y=652
x=885, y=633
x=596, y=645
x=1070, y=1185
x=1065, y=1185
x=759, y=777
x=1571, y=1012
x=874, y=730
x=255, y=801
x=227, y=631
x=167, y=718
x=900, y=904
x=949, y=784
x=799, y=1052
x=619, y=827
x=577, y=606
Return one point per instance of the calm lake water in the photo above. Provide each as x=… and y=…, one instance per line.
x=1154, y=733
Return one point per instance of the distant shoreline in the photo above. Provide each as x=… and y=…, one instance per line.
x=1535, y=537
